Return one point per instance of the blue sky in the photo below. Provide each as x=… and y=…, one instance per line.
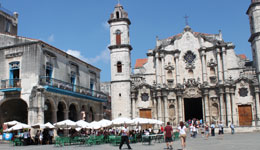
x=80, y=26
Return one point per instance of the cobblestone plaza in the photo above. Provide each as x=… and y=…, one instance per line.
x=243, y=141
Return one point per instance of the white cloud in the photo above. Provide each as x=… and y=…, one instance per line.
x=106, y=25
x=51, y=38
x=104, y=56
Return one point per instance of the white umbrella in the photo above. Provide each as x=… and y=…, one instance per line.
x=49, y=125
x=154, y=121
x=19, y=126
x=122, y=121
x=105, y=123
x=66, y=124
x=141, y=121
x=11, y=123
x=39, y=126
x=94, y=125
x=82, y=124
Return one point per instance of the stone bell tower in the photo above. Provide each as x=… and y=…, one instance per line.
x=254, y=16
x=120, y=54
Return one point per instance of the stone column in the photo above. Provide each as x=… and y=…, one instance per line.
x=234, y=106
x=228, y=106
x=180, y=108
x=220, y=74
x=66, y=114
x=166, y=117
x=159, y=106
x=221, y=105
x=177, y=68
x=157, y=68
x=163, y=69
x=224, y=53
x=177, y=110
x=133, y=108
x=257, y=112
x=204, y=69
x=40, y=105
x=54, y=116
x=207, y=107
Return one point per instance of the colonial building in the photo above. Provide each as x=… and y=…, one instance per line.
x=41, y=83
x=188, y=75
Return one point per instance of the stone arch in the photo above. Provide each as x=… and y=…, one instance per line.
x=91, y=114
x=49, y=109
x=73, y=112
x=14, y=109
x=61, y=110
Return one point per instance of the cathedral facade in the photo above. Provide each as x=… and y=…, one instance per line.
x=188, y=75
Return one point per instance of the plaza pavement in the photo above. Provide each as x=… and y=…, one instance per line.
x=241, y=141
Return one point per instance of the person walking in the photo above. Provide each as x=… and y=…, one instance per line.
x=182, y=131
x=168, y=132
x=124, y=137
x=206, y=131
x=232, y=127
x=212, y=129
x=221, y=128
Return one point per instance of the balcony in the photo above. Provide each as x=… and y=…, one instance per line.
x=10, y=85
x=61, y=87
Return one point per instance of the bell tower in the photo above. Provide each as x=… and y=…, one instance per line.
x=120, y=55
x=254, y=16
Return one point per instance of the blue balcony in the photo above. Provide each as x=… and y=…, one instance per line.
x=10, y=85
x=65, y=88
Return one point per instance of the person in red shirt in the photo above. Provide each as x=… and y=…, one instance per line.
x=168, y=132
x=162, y=130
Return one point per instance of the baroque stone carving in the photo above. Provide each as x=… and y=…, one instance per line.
x=243, y=92
x=192, y=93
x=144, y=97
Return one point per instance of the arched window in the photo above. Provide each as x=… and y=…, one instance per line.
x=118, y=37
x=119, y=67
x=117, y=15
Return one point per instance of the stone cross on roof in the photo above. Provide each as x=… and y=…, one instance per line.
x=186, y=20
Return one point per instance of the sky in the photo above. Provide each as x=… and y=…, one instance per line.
x=79, y=27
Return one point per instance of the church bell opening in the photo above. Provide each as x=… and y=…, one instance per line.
x=193, y=108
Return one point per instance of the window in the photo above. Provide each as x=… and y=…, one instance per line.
x=117, y=15
x=119, y=67
x=14, y=74
x=118, y=37
x=48, y=72
x=189, y=57
x=7, y=26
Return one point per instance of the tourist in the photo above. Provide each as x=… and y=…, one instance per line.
x=194, y=131
x=162, y=131
x=212, y=129
x=182, y=131
x=221, y=128
x=168, y=132
x=232, y=127
x=191, y=128
x=124, y=137
x=40, y=137
x=206, y=131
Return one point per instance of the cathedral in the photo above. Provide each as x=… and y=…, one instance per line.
x=188, y=75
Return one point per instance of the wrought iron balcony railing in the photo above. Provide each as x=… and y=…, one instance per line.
x=10, y=83
x=44, y=80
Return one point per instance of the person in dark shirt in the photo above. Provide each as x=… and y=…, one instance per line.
x=168, y=131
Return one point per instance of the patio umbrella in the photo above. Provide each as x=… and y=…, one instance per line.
x=122, y=121
x=155, y=122
x=38, y=126
x=11, y=123
x=66, y=124
x=49, y=125
x=82, y=124
x=94, y=125
x=105, y=123
x=141, y=121
x=19, y=126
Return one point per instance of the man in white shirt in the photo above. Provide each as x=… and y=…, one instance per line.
x=124, y=137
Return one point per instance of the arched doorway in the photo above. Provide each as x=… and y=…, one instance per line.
x=73, y=112
x=48, y=111
x=60, y=112
x=15, y=109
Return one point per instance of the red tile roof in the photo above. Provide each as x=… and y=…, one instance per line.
x=242, y=56
x=140, y=62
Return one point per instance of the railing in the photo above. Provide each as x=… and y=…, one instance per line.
x=44, y=80
x=10, y=83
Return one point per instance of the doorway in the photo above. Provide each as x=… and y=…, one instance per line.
x=193, y=108
x=245, y=115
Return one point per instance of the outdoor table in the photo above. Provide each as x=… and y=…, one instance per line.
x=149, y=137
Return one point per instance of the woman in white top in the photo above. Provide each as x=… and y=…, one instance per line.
x=182, y=131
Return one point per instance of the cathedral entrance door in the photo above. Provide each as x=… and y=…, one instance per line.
x=245, y=115
x=146, y=113
x=193, y=108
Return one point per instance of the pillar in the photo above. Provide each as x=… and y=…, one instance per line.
x=157, y=69
x=257, y=106
x=234, y=106
x=204, y=69
x=133, y=108
x=155, y=108
x=180, y=108
x=159, y=106
x=220, y=75
x=166, y=109
x=228, y=121
x=163, y=69
x=66, y=114
x=54, y=116
x=221, y=105
x=207, y=106
x=224, y=63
